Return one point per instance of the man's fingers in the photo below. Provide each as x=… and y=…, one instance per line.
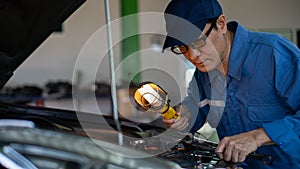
x=227, y=154
x=221, y=147
x=235, y=156
x=242, y=157
x=220, y=154
x=236, y=148
x=180, y=123
x=169, y=121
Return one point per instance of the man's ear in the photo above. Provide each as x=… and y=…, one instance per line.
x=222, y=24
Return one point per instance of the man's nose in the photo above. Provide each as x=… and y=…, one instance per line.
x=195, y=54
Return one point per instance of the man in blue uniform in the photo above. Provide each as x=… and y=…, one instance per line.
x=247, y=84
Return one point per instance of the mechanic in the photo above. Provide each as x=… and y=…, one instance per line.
x=255, y=77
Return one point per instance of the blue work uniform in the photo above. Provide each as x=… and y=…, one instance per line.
x=261, y=90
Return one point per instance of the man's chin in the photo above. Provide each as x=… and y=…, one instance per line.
x=202, y=68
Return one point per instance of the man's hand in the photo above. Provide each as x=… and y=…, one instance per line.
x=182, y=122
x=236, y=148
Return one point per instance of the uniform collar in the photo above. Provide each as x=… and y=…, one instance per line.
x=238, y=49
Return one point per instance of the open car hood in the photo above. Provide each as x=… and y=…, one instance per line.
x=25, y=24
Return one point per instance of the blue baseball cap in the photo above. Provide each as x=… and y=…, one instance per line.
x=185, y=20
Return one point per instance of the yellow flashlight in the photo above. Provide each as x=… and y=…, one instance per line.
x=153, y=98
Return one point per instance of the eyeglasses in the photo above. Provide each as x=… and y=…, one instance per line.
x=181, y=49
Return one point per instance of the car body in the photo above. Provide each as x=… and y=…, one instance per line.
x=40, y=137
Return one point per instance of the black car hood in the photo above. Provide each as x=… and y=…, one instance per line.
x=25, y=24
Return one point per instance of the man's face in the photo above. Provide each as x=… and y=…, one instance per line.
x=207, y=57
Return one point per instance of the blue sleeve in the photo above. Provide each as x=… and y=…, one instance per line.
x=285, y=132
x=191, y=101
